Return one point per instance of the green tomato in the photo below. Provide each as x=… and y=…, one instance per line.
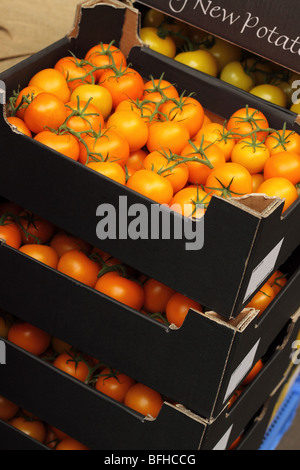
x=201, y=60
x=235, y=74
x=163, y=45
x=271, y=93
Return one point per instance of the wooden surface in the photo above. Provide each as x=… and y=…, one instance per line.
x=28, y=26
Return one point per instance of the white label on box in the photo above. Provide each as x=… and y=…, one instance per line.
x=263, y=270
x=223, y=443
x=241, y=372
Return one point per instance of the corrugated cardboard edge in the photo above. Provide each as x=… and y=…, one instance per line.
x=130, y=37
x=258, y=204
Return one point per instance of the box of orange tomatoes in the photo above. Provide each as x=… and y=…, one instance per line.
x=269, y=30
x=200, y=359
x=100, y=422
x=222, y=259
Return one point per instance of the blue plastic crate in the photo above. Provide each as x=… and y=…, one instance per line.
x=283, y=420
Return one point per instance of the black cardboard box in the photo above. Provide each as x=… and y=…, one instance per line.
x=250, y=235
x=205, y=346
x=101, y=423
x=265, y=28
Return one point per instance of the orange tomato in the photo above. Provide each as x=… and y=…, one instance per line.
x=157, y=90
x=257, y=180
x=73, y=365
x=246, y=122
x=216, y=134
x=123, y=84
x=103, y=55
x=144, y=400
x=169, y=135
x=188, y=111
x=8, y=409
x=131, y=126
x=76, y=72
x=125, y=291
x=204, y=157
x=10, y=234
x=52, y=81
x=20, y=125
x=262, y=299
x=283, y=165
x=280, y=187
x=32, y=428
x=42, y=253
x=190, y=202
x=29, y=337
x=251, y=154
x=45, y=111
x=63, y=242
x=151, y=185
x=108, y=146
x=114, y=384
x=35, y=227
x=79, y=266
x=178, y=307
x=157, y=296
x=25, y=97
x=71, y=444
x=283, y=141
x=83, y=116
x=229, y=180
x=65, y=144
x=253, y=373
x=164, y=164
x=111, y=170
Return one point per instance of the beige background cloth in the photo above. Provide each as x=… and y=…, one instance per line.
x=28, y=26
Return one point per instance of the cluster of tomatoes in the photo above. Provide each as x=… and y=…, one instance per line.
x=100, y=112
x=91, y=266
x=116, y=385
x=35, y=428
x=81, y=366
x=216, y=57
